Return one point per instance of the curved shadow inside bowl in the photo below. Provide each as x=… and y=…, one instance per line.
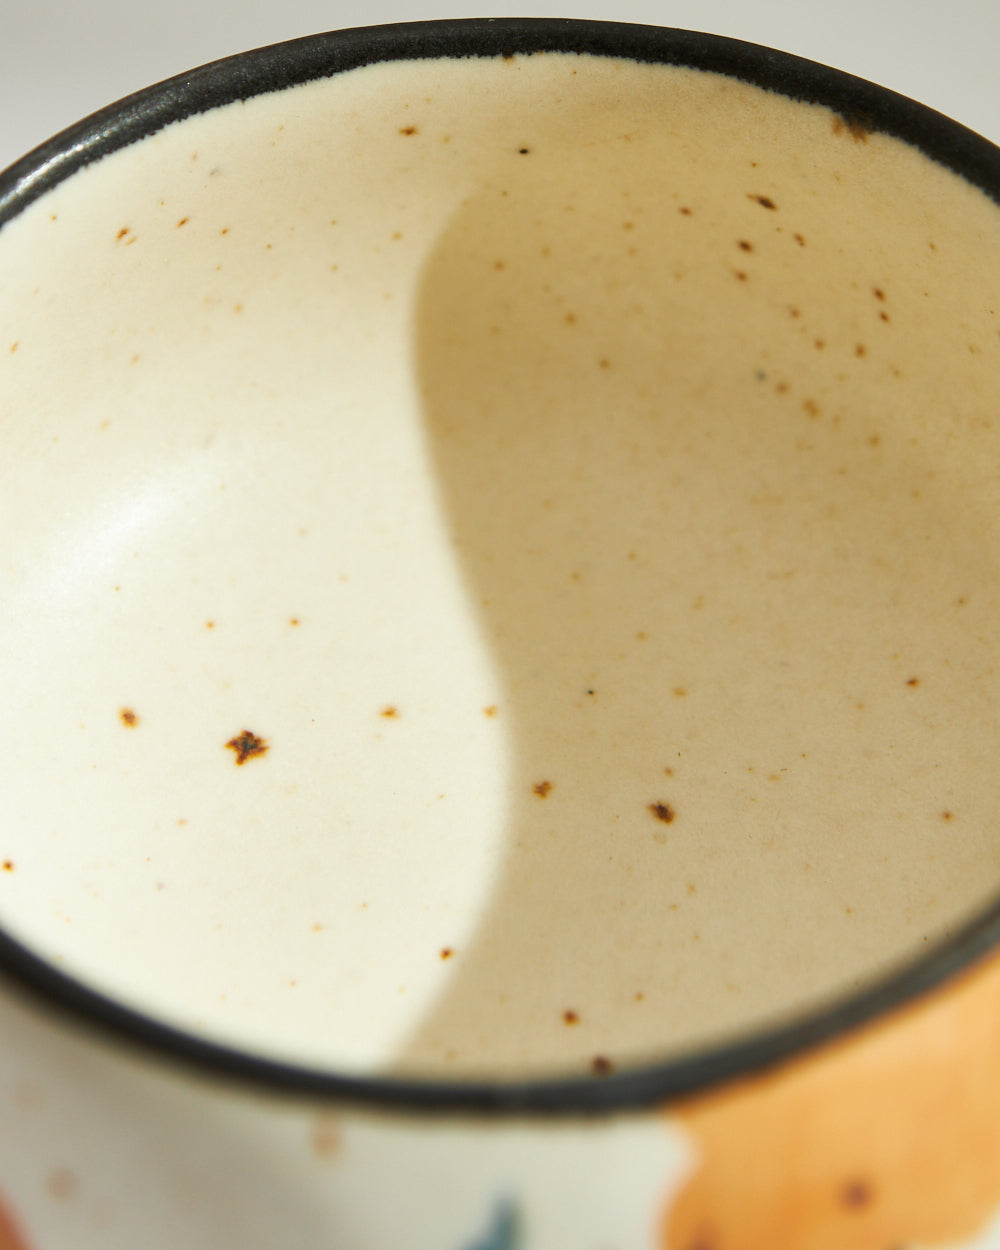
x=707, y=549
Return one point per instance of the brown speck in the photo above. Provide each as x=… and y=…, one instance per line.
x=819, y=344
x=883, y=316
x=684, y=211
x=571, y=319
x=210, y=624
x=62, y=1184
x=14, y=346
x=741, y=275
x=799, y=239
x=745, y=245
x=183, y=222
x=860, y=350
x=858, y=129
x=604, y=363
x=128, y=717
x=601, y=1065
x=237, y=308
x=878, y=293
x=246, y=745
x=122, y=232
x=408, y=130
x=446, y=952
x=390, y=712
x=856, y=1194
x=570, y=1017
x=491, y=711
x=293, y=620
x=913, y=681
x=947, y=815
x=524, y=151
x=662, y=811
x=543, y=789
x=764, y=201
x=794, y=311
x=875, y=440
x=811, y=407
x=680, y=692
x=628, y=225
x=781, y=388
x=224, y=230
x=8, y=865
x=325, y=1137
x=668, y=772
x=499, y=265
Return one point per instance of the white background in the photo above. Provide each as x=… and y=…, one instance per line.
x=62, y=59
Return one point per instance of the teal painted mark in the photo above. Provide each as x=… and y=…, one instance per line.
x=505, y=1231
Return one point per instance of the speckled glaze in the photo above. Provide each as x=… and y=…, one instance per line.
x=499, y=570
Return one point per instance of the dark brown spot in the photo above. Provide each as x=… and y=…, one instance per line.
x=764, y=201
x=662, y=811
x=183, y=222
x=745, y=245
x=523, y=151
x=883, y=316
x=794, y=311
x=819, y=344
x=947, y=815
x=860, y=350
x=686, y=212
x=122, y=232
x=128, y=717
x=390, y=712
x=408, y=130
x=601, y=1065
x=858, y=128
x=446, y=952
x=543, y=789
x=856, y=1194
x=799, y=239
x=741, y=275
x=246, y=745
x=570, y=1017
x=913, y=681
x=878, y=293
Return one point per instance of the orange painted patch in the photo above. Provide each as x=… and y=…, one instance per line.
x=883, y=1139
x=11, y=1237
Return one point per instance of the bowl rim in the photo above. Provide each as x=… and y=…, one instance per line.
x=865, y=108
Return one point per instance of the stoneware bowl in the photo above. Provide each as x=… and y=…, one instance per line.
x=498, y=566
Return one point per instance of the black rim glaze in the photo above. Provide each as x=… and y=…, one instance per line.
x=862, y=105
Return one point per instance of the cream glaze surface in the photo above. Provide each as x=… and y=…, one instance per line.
x=499, y=565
